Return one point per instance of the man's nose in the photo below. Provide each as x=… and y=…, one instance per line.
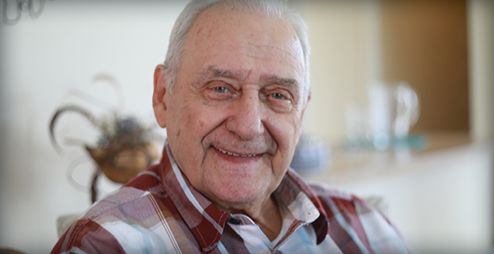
x=246, y=121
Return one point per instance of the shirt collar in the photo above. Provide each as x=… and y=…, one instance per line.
x=207, y=221
x=299, y=192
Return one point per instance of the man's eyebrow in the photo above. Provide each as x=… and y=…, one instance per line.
x=215, y=72
x=287, y=82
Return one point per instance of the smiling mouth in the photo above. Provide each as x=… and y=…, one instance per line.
x=236, y=155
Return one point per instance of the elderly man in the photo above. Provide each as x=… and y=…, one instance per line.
x=231, y=94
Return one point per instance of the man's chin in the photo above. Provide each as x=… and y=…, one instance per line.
x=237, y=197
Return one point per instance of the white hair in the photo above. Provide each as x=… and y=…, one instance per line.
x=269, y=8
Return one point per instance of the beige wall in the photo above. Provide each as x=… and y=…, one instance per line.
x=481, y=63
x=344, y=37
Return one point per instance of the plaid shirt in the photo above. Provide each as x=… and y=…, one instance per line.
x=160, y=212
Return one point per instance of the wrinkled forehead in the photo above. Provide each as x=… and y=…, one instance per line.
x=222, y=29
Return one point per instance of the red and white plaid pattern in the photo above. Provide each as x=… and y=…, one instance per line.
x=160, y=212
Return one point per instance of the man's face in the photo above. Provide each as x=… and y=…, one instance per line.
x=234, y=117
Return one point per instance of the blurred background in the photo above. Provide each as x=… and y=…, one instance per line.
x=437, y=188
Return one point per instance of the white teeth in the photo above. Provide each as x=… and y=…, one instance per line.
x=234, y=154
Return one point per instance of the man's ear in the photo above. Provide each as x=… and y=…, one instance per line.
x=160, y=90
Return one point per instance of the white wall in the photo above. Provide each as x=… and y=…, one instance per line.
x=40, y=61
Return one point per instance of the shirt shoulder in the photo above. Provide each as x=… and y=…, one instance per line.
x=140, y=209
x=324, y=190
x=355, y=225
x=139, y=189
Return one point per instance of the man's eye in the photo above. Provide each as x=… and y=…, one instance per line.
x=279, y=100
x=220, y=89
x=277, y=96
